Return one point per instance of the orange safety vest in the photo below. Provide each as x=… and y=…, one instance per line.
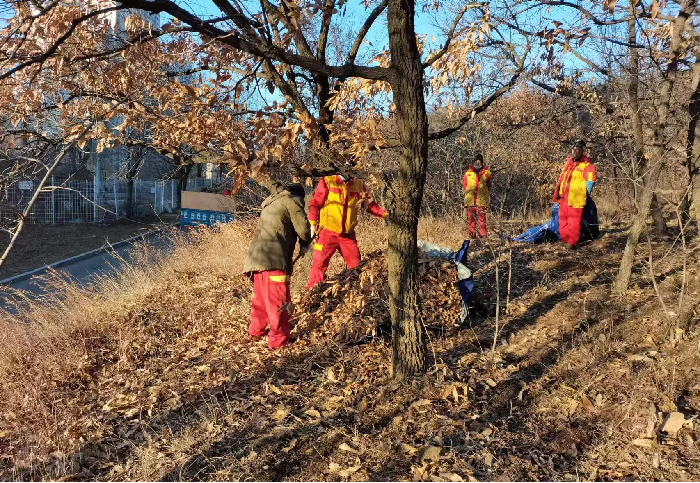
x=477, y=187
x=572, y=182
x=339, y=212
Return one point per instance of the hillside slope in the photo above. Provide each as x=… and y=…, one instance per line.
x=151, y=377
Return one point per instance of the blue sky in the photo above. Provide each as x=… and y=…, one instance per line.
x=432, y=24
x=354, y=14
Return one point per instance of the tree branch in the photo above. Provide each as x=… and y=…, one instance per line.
x=299, y=39
x=290, y=92
x=586, y=13
x=328, y=6
x=362, y=33
x=54, y=47
x=485, y=103
x=450, y=35
x=247, y=26
x=257, y=46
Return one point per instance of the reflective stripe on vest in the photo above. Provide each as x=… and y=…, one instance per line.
x=279, y=278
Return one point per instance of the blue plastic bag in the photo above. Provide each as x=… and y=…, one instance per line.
x=549, y=231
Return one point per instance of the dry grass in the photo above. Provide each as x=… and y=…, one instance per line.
x=62, y=337
x=148, y=376
x=613, y=207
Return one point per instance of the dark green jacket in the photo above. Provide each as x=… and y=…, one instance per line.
x=282, y=219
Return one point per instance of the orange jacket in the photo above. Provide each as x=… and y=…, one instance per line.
x=334, y=204
x=477, y=186
x=571, y=187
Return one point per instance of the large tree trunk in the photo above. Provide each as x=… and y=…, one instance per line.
x=130, y=207
x=652, y=175
x=135, y=160
x=640, y=160
x=693, y=144
x=409, y=340
x=325, y=115
x=182, y=173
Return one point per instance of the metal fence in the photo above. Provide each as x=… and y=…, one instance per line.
x=71, y=203
x=81, y=201
x=147, y=197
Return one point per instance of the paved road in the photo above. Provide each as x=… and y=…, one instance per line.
x=83, y=271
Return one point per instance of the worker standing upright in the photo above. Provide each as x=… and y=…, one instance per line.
x=572, y=192
x=269, y=261
x=477, y=191
x=333, y=212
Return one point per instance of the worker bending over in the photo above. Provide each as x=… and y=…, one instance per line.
x=269, y=261
x=333, y=211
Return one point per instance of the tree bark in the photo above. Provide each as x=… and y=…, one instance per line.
x=182, y=174
x=693, y=144
x=135, y=160
x=130, y=208
x=652, y=175
x=409, y=339
x=640, y=160
x=325, y=115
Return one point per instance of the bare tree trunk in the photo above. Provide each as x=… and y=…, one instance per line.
x=640, y=160
x=506, y=191
x=409, y=339
x=657, y=215
x=185, y=176
x=135, y=160
x=652, y=175
x=325, y=118
x=693, y=145
x=325, y=114
x=182, y=173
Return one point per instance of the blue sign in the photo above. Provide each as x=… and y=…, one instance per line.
x=190, y=217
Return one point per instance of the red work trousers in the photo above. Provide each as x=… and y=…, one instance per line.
x=474, y=212
x=326, y=245
x=569, y=223
x=271, y=292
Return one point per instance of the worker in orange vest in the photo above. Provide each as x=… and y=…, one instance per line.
x=333, y=212
x=477, y=190
x=573, y=189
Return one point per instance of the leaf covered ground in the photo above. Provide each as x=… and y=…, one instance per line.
x=152, y=377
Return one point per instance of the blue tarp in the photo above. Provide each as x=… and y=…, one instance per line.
x=465, y=281
x=549, y=231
